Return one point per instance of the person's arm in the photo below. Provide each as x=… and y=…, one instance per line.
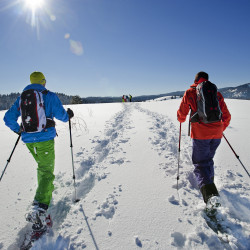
x=11, y=117
x=226, y=116
x=183, y=109
x=55, y=106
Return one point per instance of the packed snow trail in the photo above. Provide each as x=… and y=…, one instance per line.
x=126, y=169
x=129, y=179
x=163, y=140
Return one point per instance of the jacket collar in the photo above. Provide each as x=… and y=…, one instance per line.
x=194, y=85
x=35, y=86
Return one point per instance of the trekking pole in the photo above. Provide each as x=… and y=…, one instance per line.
x=189, y=122
x=10, y=156
x=189, y=125
x=179, y=151
x=235, y=154
x=71, y=146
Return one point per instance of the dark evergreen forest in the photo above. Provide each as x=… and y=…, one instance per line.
x=239, y=92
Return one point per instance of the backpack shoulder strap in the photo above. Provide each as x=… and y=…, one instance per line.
x=45, y=92
x=50, y=121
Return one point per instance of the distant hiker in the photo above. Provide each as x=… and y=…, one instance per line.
x=124, y=98
x=206, y=137
x=130, y=98
x=38, y=107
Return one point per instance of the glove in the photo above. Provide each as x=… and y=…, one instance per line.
x=179, y=120
x=20, y=131
x=70, y=113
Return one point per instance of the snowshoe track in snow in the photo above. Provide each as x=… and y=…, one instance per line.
x=132, y=154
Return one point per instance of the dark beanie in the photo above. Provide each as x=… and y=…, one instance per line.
x=200, y=75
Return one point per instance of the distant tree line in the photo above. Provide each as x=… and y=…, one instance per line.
x=65, y=99
x=239, y=92
x=7, y=100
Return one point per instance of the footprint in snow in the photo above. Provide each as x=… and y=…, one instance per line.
x=138, y=241
x=173, y=200
x=107, y=208
x=178, y=239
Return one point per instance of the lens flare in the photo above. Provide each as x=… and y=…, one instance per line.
x=67, y=36
x=34, y=4
x=76, y=47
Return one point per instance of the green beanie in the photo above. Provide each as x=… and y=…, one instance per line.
x=37, y=77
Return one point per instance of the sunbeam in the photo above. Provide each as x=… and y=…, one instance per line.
x=34, y=4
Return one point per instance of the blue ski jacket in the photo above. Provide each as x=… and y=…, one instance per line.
x=53, y=109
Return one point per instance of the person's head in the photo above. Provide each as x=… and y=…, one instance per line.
x=201, y=77
x=37, y=78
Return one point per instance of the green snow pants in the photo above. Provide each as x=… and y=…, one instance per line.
x=44, y=154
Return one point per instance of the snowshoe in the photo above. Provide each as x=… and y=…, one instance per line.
x=38, y=230
x=212, y=205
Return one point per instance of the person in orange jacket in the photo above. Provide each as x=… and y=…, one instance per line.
x=206, y=138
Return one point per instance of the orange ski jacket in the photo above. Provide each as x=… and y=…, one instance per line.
x=200, y=130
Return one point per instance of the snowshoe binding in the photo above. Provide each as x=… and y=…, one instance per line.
x=40, y=226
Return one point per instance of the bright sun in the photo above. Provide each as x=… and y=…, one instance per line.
x=35, y=10
x=34, y=4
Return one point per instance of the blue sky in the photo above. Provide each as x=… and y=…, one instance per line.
x=116, y=47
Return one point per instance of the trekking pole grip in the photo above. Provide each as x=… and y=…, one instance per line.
x=71, y=145
x=179, y=150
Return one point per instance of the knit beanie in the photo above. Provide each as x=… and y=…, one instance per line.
x=37, y=77
x=200, y=75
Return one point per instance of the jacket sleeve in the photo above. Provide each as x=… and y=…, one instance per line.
x=226, y=116
x=11, y=116
x=57, y=108
x=183, y=109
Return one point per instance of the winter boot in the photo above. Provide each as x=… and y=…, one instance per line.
x=212, y=204
x=37, y=216
x=211, y=198
x=208, y=191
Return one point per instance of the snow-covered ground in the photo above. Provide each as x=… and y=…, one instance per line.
x=125, y=158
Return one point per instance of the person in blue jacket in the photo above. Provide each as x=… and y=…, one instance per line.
x=40, y=144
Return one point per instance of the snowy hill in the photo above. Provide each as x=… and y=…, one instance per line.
x=240, y=92
x=125, y=157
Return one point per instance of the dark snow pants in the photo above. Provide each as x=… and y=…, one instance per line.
x=202, y=157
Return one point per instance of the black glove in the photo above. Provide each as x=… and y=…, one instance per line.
x=70, y=113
